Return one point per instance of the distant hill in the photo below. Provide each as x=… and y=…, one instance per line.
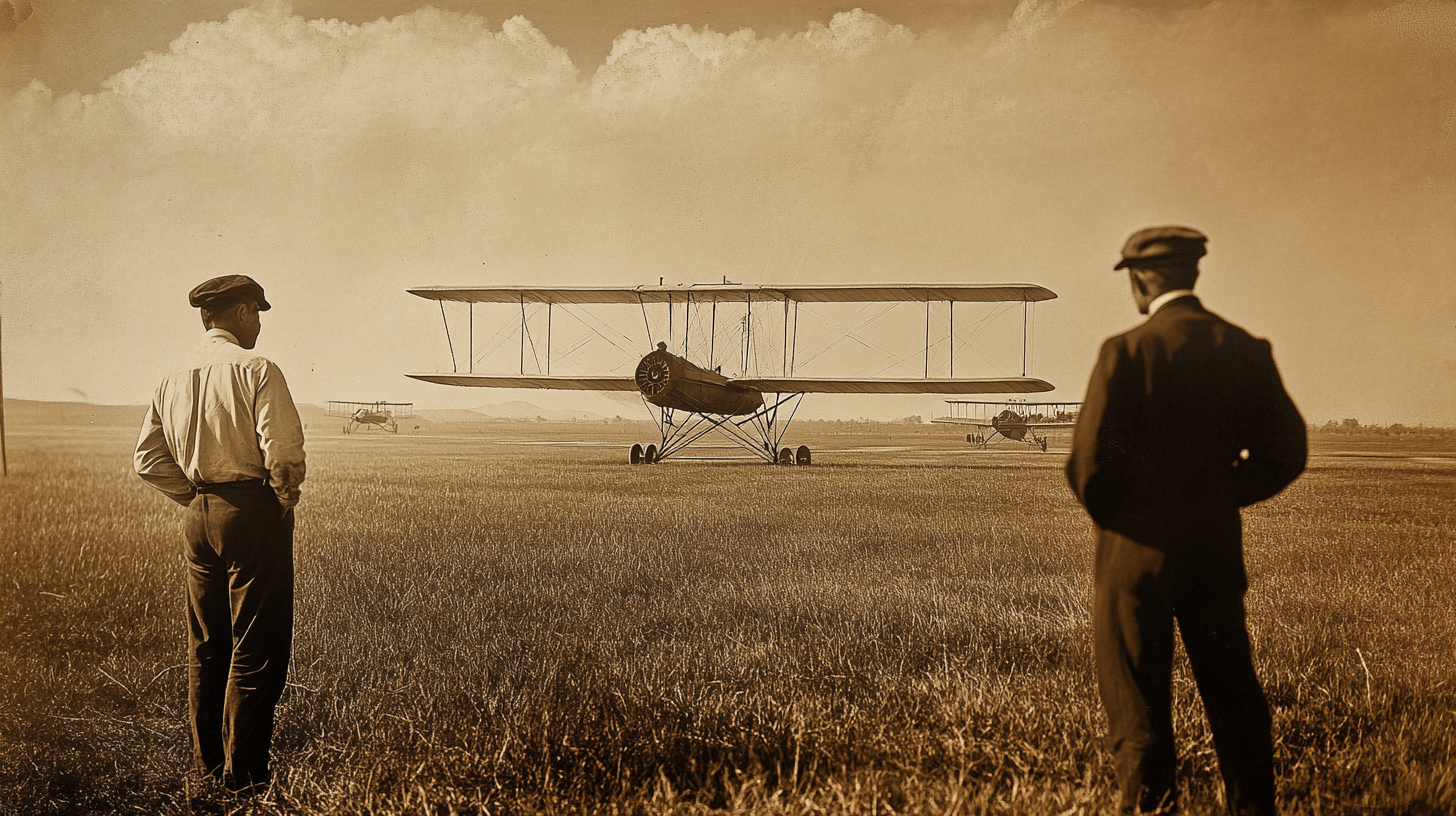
x=39, y=412
x=447, y=415
x=20, y=412
x=517, y=409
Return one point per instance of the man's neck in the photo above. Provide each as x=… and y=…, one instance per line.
x=1167, y=297
x=223, y=334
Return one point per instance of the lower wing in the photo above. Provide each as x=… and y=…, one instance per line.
x=914, y=385
x=512, y=381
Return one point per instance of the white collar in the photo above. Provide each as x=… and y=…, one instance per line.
x=222, y=334
x=1164, y=299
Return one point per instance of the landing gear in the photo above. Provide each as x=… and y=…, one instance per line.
x=642, y=456
x=790, y=456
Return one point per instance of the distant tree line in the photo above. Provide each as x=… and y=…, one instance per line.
x=1352, y=426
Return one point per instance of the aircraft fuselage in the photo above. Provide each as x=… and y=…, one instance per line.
x=670, y=381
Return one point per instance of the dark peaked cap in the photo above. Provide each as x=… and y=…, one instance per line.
x=1162, y=242
x=227, y=290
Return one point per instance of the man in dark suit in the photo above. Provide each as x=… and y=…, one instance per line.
x=1185, y=421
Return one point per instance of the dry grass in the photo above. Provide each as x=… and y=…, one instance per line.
x=487, y=628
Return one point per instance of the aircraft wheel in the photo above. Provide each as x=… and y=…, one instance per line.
x=1043, y=444
x=635, y=457
x=346, y=429
x=649, y=456
x=970, y=439
x=786, y=457
x=801, y=456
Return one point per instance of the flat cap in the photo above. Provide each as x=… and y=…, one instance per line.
x=226, y=290
x=1162, y=242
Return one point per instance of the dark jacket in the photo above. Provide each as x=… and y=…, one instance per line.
x=1156, y=455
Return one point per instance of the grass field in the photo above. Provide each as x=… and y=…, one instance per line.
x=486, y=627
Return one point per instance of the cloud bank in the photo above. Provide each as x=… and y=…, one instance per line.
x=340, y=163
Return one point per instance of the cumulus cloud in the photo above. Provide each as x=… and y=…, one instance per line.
x=340, y=163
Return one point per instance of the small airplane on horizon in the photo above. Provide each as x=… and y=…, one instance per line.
x=1013, y=420
x=365, y=415
x=752, y=411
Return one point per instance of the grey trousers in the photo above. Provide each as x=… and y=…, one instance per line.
x=239, y=547
x=1136, y=602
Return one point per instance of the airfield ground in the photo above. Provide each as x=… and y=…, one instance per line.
x=491, y=624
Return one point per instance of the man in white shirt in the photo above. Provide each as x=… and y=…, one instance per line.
x=223, y=439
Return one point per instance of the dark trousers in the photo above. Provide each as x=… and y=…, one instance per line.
x=240, y=627
x=1138, y=597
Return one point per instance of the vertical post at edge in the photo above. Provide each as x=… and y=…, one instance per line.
x=687, y=323
x=713, y=338
x=471, y=366
x=548, y=338
x=4, y=456
x=952, y=339
x=671, y=343
x=523, y=334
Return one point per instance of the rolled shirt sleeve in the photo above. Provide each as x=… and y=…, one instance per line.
x=280, y=434
x=154, y=462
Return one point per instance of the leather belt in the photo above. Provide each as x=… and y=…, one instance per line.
x=213, y=487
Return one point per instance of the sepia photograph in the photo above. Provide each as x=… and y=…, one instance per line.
x=761, y=407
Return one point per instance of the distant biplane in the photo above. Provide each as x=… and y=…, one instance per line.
x=692, y=400
x=1013, y=420
x=363, y=416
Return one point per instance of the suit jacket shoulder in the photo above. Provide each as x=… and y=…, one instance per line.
x=1186, y=410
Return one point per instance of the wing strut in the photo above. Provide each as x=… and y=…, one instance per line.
x=927, y=341
x=784, y=364
x=448, y=341
x=794, y=345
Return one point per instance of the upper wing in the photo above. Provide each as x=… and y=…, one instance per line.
x=1041, y=426
x=808, y=385
x=737, y=292
x=532, y=381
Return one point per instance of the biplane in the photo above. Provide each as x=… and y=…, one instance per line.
x=363, y=416
x=1013, y=420
x=681, y=379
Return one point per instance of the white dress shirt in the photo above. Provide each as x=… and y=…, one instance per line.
x=223, y=416
x=1164, y=299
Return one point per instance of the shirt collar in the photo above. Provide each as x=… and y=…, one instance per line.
x=222, y=334
x=1164, y=299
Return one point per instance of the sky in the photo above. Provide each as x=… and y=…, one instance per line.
x=341, y=152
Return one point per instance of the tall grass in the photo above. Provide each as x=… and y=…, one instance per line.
x=486, y=628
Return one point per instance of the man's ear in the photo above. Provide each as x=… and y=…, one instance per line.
x=1139, y=281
